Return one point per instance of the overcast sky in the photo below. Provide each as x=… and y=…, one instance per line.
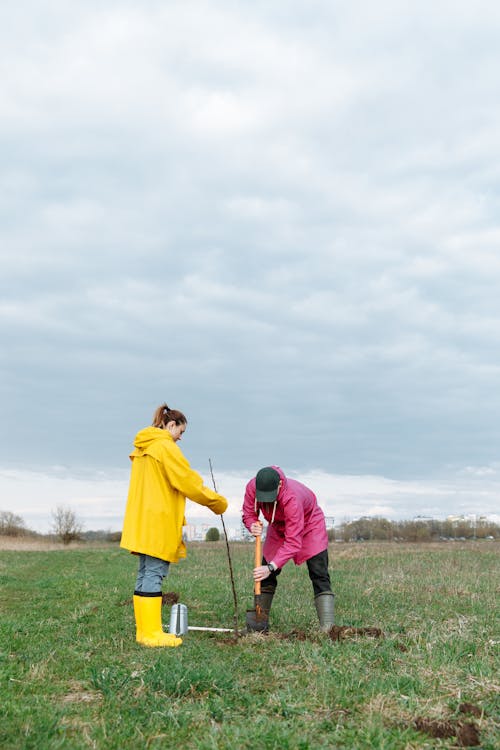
x=281, y=218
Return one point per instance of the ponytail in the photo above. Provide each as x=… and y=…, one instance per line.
x=163, y=415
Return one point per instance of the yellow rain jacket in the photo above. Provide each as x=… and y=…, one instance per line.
x=161, y=480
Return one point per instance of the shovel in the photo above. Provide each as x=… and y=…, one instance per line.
x=257, y=618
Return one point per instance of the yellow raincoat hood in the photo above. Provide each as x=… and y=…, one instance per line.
x=160, y=481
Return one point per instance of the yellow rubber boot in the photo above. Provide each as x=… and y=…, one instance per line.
x=138, y=619
x=151, y=628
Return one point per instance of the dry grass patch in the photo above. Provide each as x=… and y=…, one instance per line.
x=28, y=544
x=81, y=697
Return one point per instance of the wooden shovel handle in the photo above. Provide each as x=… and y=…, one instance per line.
x=258, y=561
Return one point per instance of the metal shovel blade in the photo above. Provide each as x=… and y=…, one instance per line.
x=257, y=620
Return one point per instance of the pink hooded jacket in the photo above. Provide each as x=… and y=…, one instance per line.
x=298, y=531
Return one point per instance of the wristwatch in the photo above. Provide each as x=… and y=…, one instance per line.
x=271, y=567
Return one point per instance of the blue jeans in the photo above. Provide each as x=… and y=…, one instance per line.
x=150, y=575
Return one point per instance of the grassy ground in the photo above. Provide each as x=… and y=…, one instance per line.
x=71, y=675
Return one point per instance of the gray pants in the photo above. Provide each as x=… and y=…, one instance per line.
x=150, y=575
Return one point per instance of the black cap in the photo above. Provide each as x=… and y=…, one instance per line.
x=266, y=484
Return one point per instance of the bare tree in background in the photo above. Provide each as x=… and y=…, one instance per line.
x=11, y=524
x=65, y=524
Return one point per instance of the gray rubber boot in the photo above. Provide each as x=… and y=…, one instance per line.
x=324, y=604
x=266, y=599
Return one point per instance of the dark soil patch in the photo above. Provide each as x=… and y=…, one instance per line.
x=470, y=708
x=169, y=597
x=343, y=632
x=231, y=641
x=293, y=635
x=336, y=633
x=467, y=733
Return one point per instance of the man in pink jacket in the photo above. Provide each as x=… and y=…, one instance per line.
x=296, y=531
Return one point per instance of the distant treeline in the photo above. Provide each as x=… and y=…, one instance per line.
x=418, y=530
x=363, y=529
x=13, y=525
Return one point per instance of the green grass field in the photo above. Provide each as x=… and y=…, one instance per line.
x=72, y=676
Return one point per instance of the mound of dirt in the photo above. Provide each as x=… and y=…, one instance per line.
x=169, y=597
x=470, y=708
x=343, y=632
x=467, y=733
x=336, y=633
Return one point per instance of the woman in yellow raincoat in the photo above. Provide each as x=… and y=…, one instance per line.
x=160, y=481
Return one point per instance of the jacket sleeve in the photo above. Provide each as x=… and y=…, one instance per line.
x=248, y=512
x=294, y=530
x=189, y=482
